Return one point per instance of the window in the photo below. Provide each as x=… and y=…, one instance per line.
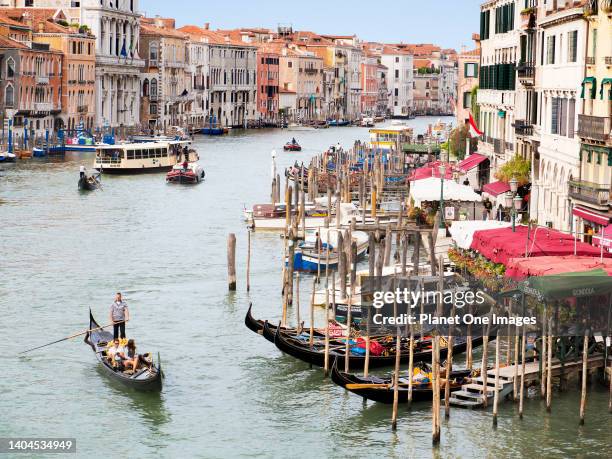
x=130, y=154
x=137, y=154
x=153, y=109
x=397, y=60
x=153, y=54
x=467, y=99
x=154, y=87
x=9, y=95
x=594, y=44
x=290, y=64
x=550, y=50
x=10, y=68
x=471, y=70
x=571, y=114
x=396, y=73
x=572, y=46
x=554, y=121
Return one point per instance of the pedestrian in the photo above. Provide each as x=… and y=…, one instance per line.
x=119, y=315
x=486, y=208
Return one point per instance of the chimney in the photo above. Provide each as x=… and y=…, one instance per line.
x=206, y=25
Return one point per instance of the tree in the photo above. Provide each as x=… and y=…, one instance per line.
x=475, y=107
x=457, y=141
x=518, y=168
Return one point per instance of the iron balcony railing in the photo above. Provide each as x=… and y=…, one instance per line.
x=593, y=193
x=594, y=127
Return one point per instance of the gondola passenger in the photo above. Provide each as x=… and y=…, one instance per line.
x=116, y=353
x=131, y=357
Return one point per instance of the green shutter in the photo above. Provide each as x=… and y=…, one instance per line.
x=604, y=82
x=609, y=158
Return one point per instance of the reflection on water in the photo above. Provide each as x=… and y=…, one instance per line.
x=227, y=391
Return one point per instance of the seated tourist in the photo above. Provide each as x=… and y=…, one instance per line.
x=115, y=353
x=131, y=358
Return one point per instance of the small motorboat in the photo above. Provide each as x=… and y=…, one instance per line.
x=186, y=173
x=89, y=183
x=6, y=157
x=292, y=146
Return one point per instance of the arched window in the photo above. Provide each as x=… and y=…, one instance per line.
x=10, y=68
x=153, y=51
x=153, y=87
x=9, y=95
x=145, y=88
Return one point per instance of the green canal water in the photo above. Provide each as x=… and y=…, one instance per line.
x=227, y=392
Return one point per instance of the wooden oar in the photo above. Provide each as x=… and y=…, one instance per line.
x=69, y=337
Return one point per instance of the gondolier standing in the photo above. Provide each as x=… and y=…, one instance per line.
x=119, y=315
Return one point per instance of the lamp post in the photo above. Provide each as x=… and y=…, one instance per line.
x=513, y=201
x=442, y=170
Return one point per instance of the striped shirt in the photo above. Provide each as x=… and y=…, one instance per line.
x=118, y=310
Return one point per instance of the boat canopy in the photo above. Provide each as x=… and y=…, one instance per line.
x=519, y=268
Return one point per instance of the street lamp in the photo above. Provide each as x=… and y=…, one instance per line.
x=442, y=170
x=513, y=201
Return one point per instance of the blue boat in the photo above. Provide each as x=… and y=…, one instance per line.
x=54, y=150
x=213, y=128
x=339, y=122
x=6, y=157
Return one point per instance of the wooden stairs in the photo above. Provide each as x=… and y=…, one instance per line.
x=473, y=395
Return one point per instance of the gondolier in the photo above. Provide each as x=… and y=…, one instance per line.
x=119, y=315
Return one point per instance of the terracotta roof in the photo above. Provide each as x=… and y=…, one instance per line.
x=8, y=43
x=473, y=52
x=40, y=16
x=217, y=38
x=6, y=19
x=152, y=30
x=389, y=49
x=420, y=63
x=420, y=49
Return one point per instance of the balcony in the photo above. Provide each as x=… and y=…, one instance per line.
x=42, y=79
x=498, y=146
x=82, y=108
x=526, y=73
x=590, y=60
x=592, y=193
x=594, y=127
x=608, y=60
x=522, y=128
x=528, y=18
x=311, y=71
x=43, y=106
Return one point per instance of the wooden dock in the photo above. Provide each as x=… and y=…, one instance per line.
x=472, y=395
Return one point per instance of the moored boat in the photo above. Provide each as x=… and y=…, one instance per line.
x=382, y=389
x=316, y=354
x=6, y=157
x=148, y=378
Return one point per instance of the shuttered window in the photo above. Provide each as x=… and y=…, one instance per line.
x=550, y=50
x=572, y=46
x=554, y=121
x=571, y=114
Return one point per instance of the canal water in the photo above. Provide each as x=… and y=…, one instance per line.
x=227, y=392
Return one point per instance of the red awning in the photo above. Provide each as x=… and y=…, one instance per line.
x=431, y=170
x=592, y=216
x=471, y=162
x=520, y=268
x=496, y=188
x=500, y=245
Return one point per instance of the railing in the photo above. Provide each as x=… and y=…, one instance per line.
x=82, y=108
x=594, y=127
x=526, y=70
x=593, y=193
x=311, y=71
x=43, y=106
x=522, y=128
x=608, y=60
x=42, y=79
x=590, y=60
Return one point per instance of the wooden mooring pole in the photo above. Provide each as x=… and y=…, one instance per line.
x=231, y=262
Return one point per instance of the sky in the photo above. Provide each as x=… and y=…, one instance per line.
x=448, y=23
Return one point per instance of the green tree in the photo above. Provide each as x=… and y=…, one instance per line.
x=457, y=141
x=475, y=107
x=518, y=168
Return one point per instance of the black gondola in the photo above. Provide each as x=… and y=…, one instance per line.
x=257, y=326
x=145, y=379
x=316, y=354
x=381, y=389
x=88, y=183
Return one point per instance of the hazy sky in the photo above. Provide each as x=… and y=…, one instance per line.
x=449, y=23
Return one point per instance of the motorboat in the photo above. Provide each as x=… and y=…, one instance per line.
x=186, y=173
x=292, y=146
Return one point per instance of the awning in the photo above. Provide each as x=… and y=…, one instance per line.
x=429, y=190
x=500, y=245
x=593, y=82
x=471, y=162
x=604, y=82
x=592, y=216
x=569, y=285
x=520, y=268
x=604, y=235
x=431, y=170
x=496, y=188
x=462, y=232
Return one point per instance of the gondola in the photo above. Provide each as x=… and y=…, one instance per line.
x=88, y=183
x=316, y=354
x=382, y=390
x=292, y=146
x=145, y=379
x=257, y=326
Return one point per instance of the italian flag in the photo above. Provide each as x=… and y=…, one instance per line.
x=474, y=131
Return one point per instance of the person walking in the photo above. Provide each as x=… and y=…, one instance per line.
x=119, y=315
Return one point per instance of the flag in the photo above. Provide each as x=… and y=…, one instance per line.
x=474, y=131
x=123, y=51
